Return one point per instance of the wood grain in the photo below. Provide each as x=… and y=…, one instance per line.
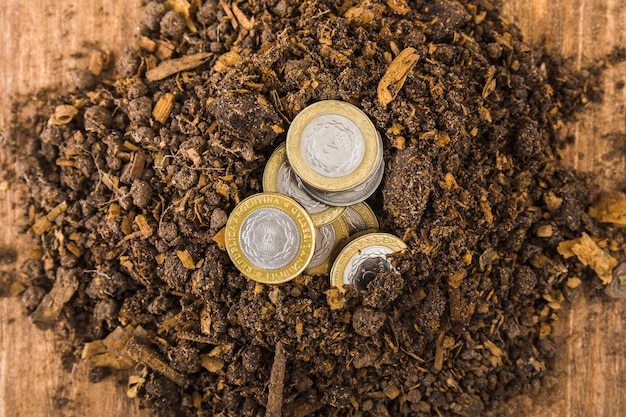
x=591, y=363
x=39, y=40
x=38, y=50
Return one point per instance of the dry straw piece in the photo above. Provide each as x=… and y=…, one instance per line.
x=163, y=108
x=63, y=114
x=395, y=76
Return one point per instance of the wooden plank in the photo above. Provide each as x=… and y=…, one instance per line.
x=592, y=349
x=38, y=38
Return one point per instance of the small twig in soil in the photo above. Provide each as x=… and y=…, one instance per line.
x=277, y=379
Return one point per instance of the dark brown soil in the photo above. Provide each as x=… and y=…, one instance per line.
x=132, y=253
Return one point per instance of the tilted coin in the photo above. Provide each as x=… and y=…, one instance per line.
x=364, y=257
x=270, y=238
x=327, y=240
x=278, y=176
x=359, y=217
x=354, y=195
x=333, y=146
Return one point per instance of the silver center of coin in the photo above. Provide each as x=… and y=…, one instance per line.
x=364, y=266
x=332, y=145
x=325, y=239
x=269, y=238
x=287, y=182
x=354, y=221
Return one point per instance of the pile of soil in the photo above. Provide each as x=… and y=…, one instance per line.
x=131, y=178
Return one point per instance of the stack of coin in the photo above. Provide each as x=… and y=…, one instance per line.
x=336, y=152
x=314, y=188
x=333, y=224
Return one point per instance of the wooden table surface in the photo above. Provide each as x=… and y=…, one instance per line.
x=40, y=39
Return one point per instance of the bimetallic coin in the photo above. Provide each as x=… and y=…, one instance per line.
x=359, y=217
x=278, y=176
x=270, y=238
x=364, y=257
x=354, y=195
x=333, y=146
x=327, y=240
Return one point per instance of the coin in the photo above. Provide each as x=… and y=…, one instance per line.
x=354, y=195
x=270, y=238
x=327, y=240
x=278, y=176
x=362, y=258
x=359, y=217
x=333, y=146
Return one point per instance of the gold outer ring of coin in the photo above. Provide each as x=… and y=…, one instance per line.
x=364, y=124
x=270, y=174
x=355, y=246
x=341, y=235
x=366, y=213
x=304, y=225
